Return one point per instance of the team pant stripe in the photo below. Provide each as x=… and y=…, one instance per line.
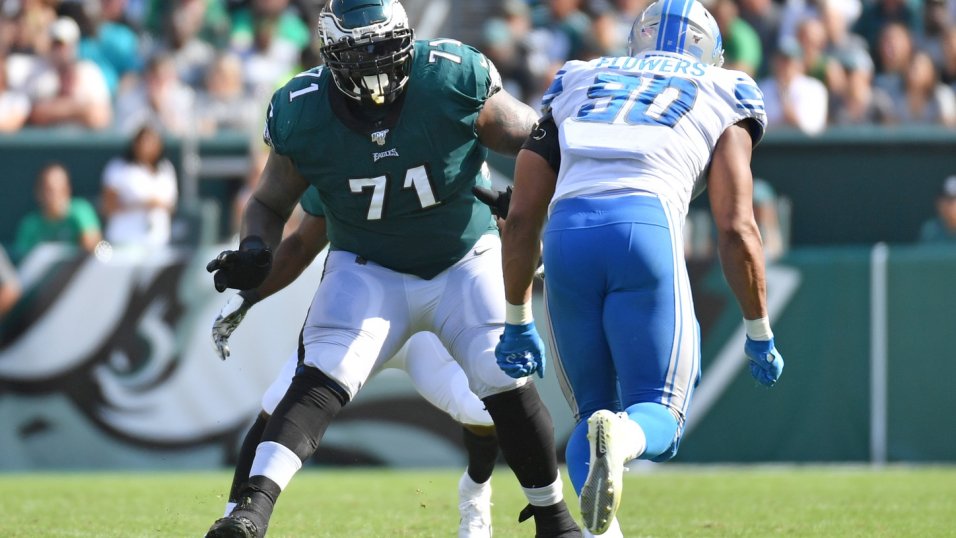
x=563, y=381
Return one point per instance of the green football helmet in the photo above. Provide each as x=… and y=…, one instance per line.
x=367, y=45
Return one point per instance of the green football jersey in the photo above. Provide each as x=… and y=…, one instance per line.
x=397, y=191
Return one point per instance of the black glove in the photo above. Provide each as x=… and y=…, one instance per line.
x=242, y=269
x=498, y=201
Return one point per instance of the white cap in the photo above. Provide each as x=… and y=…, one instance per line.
x=65, y=30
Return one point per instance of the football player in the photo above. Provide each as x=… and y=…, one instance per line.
x=393, y=133
x=624, y=145
x=433, y=372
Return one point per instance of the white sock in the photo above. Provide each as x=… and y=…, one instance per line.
x=468, y=488
x=547, y=495
x=275, y=462
x=635, y=437
x=613, y=531
x=230, y=506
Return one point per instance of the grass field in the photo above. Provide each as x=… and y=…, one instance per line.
x=672, y=501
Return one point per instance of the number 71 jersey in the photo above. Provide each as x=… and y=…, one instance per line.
x=648, y=123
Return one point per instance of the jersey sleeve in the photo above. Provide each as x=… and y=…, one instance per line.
x=748, y=104
x=311, y=202
x=286, y=109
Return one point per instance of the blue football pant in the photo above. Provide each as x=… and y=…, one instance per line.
x=622, y=317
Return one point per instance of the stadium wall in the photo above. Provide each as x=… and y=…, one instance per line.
x=108, y=364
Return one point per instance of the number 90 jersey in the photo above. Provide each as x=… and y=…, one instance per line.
x=396, y=191
x=646, y=123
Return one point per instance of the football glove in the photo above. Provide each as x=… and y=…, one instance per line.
x=766, y=364
x=231, y=315
x=498, y=201
x=242, y=269
x=520, y=351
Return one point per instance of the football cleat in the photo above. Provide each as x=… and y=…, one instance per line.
x=233, y=527
x=601, y=494
x=475, y=515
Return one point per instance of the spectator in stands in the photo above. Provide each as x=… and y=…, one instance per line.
x=139, y=193
x=764, y=17
x=66, y=90
x=812, y=37
x=567, y=27
x=894, y=53
x=32, y=24
x=14, y=105
x=742, y=49
x=767, y=215
x=942, y=228
x=937, y=21
x=791, y=97
x=506, y=43
x=268, y=36
x=947, y=73
x=853, y=99
x=161, y=100
x=924, y=100
x=181, y=42
x=107, y=41
x=224, y=104
x=60, y=218
x=214, y=28
x=877, y=15
x=9, y=285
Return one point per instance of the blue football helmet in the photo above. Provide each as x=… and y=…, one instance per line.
x=679, y=26
x=367, y=45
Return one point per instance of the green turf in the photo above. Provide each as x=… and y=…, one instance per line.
x=672, y=501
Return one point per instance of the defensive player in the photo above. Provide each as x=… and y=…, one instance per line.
x=435, y=375
x=624, y=146
x=392, y=132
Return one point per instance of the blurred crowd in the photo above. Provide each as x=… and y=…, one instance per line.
x=198, y=66
x=818, y=62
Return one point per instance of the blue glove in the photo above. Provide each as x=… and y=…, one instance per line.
x=766, y=364
x=520, y=352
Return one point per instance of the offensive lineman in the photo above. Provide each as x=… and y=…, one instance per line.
x=392, y=133
x=624, y=146
x=435, y=375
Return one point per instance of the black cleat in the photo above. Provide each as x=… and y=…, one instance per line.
x=233, y=527
x=551, y=521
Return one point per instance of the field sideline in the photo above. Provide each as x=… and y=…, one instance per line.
x=671, y=501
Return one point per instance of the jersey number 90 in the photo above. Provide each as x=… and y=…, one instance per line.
x=638, y=99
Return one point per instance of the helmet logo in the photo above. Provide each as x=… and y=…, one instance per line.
x=379, y=137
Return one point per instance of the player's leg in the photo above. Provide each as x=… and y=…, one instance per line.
x=441, y=381
x=247, y=452
x=338, y=349
x=654, y=309
x=469, y=320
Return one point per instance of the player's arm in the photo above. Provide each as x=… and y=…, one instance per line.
x=521, y=351
x=272, y=202
x=504, y=123
x=294, y=254
x=730, y=184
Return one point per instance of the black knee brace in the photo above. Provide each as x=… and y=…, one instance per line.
x=305, y=412
x=525, y=434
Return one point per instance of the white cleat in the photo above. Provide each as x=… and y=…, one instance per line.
x=601, y=494
x=475, y=514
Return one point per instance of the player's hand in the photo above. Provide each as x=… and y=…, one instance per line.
x=242, y=269
x=498, y=201
x=229, y=318
x=766, y=364
x=520, y=352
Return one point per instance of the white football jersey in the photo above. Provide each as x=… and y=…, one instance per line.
x=646, y=123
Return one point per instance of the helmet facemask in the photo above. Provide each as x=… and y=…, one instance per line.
x=370, y=64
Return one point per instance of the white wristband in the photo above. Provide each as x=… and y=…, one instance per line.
x=758, y=329
x=518, y=314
